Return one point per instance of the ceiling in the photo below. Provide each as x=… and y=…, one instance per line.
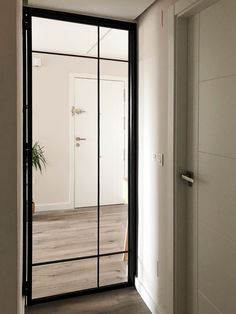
x=116, y=9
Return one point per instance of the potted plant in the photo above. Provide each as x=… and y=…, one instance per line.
x=38, y=162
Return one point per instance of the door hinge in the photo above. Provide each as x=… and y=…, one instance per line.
x=26, y=288
x=25, y=24
x=124, y=95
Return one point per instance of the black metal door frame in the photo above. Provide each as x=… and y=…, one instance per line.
x=28, y=264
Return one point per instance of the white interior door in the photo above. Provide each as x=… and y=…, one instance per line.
x=85, y=142
x=112, y=142
x=211, y=210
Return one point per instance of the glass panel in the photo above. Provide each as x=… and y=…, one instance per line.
x=113, y=269
x=64, y=37
x=65, y=192
x=113, y=157
x=114, y=43
x=62, y=278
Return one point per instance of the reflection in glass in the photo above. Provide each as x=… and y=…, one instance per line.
x=65, y=124
x=69, y=180
x=64, y=37
x=62, y=278
x=113, y=270
x=114, y=43
x=113, y=157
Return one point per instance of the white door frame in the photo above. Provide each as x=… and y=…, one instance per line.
x=71, y=120
x=178, y=16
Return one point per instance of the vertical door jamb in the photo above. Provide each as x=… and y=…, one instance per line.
x=177, y=145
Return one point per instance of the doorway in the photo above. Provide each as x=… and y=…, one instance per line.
x=204, y=155
x=113, y=161
x=80, y=115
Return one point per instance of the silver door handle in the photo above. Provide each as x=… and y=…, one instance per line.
x=77, y=110
x=80, y=139
x=188, y=176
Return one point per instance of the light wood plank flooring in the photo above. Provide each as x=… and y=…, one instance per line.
x=122, y=301
x=69, y=234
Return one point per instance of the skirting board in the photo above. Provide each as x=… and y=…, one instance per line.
x=65, y=206
x=53, y=206
x=147, y=298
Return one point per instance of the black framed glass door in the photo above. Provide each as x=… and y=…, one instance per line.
x=80, y=114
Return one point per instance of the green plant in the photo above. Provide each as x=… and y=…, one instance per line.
x=38, y=158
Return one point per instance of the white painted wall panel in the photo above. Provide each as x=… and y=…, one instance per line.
x=217, y=192
x=217, y=158
x=217, y=31
x=217, y=112
x=217, y=277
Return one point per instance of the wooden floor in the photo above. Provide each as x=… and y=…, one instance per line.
x=122, y=301
x=68, y=234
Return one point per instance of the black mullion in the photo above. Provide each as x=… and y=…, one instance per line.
x=133, y=159
x=79, y=18
x=73, y=259
x=98, y=159
x=80, y=293
x=77, y=56
x=25, y=277
x=129, y=159
x=29, y=155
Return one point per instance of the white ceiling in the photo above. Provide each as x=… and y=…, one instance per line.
x=117, y=9
x=78, y=39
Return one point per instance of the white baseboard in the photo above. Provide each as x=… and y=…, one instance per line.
x=153, y=307
x=53, y=206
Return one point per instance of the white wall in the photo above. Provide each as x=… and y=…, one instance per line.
x=51, y=111
x=153, y=137
x=10, y=157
